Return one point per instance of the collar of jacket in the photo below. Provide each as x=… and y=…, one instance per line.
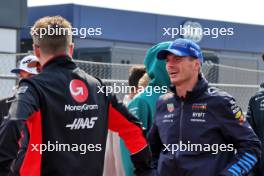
x=59, y=60
x=198, y=89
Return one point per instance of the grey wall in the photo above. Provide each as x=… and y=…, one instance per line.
x=13, y=13
x=13, y=16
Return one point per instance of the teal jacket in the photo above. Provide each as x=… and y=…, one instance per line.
x=143, y=105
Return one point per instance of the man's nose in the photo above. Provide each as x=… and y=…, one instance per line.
x=170, y=63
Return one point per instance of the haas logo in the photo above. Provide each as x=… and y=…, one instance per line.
x=81, y=123
x=79, y=91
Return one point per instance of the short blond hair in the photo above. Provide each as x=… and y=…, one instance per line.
x=52, y=34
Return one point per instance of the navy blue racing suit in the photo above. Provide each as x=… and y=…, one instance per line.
x=204, y=134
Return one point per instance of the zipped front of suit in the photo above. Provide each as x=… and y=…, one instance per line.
x=180, y=129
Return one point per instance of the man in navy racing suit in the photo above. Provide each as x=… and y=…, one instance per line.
x=197, y=127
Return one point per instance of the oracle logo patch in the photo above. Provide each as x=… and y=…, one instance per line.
x=79, y=91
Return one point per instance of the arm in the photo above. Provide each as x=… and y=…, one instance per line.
x=237, y=131
x=155, y=144
x=9, y=137
x=129, y=129
x=250, y=115
x=13, y=131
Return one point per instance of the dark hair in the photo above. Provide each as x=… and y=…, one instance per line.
x=135, y=73
x=263, y=57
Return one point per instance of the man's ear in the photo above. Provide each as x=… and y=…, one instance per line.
x=36, y=50
x=197, y=64
x=71, y=49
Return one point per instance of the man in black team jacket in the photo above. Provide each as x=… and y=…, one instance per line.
x=58, y=124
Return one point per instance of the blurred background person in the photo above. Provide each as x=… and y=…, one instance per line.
x=143, y=105
x=27, y=67
x=135, y=73
x=255, y=117
x=113, y=161
x=143, y=82
x=34, y=63
x=23, y=71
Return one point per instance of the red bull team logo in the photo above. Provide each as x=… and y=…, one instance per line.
x=79, y=91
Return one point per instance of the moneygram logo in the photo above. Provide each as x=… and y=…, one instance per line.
x=84, y=107
x=79, y=91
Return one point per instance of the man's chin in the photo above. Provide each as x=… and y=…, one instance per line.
x=175, y=82
x=178, y=81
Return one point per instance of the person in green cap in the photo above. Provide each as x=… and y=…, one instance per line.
x=144, y=103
